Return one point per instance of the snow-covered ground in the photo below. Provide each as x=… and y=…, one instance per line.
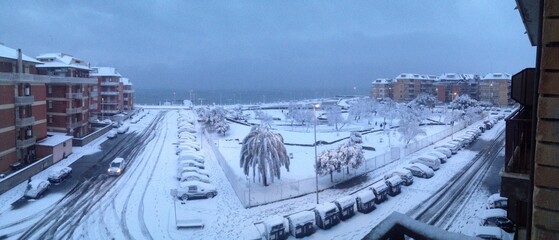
x=139, y=204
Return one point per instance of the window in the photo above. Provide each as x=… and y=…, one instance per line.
x=49, y=103
x=49, y=89
x=50, y=119
x=27, y=90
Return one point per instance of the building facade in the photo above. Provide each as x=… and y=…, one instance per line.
x=450, y=85
x=382, y=88
x=408, y=86
x=127, y=95
x=68, y=91
x=495, y=89
x=22, y=108
x=109, y=99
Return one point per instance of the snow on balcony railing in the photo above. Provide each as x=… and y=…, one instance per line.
x=74, y=110
x=22, y=122
x=24, y=100
x=26, y=142
x=12, y=77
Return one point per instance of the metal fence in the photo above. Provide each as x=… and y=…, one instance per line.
x=253, y=194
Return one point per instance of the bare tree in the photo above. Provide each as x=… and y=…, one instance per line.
x=334, y=115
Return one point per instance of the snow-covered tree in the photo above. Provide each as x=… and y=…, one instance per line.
x=238, y=114
x=263, y=151
x=214, y=119
x=334, y=116
x=265, y=119
x=463, y=102
x=299, y=113
x=361, y=108
x=423, y=101
x=408, y=126
x=350, y=155
x=328, y=162
x=221, y=127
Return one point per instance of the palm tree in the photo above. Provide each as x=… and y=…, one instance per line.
x=263, y=150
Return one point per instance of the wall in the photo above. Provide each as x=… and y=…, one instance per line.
x=22, y=175
x=545, y=214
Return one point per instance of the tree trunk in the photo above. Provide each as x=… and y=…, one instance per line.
x=331, y=177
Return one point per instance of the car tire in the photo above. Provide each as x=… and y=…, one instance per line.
x=210, y=195
x=185, y=197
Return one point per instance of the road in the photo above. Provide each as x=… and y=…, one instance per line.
x=447, y=203
x=82, y=193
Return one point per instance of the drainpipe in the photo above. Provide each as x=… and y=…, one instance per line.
x=19, y=61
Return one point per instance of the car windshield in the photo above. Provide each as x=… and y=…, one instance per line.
x=115, y=164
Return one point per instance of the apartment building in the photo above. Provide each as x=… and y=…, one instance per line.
x=450, y=85
x=495, y=89
x=127, y=95
x=409, y=85
x=22, y=108
x=67, y=93
x=109, y=87
x=382, y=88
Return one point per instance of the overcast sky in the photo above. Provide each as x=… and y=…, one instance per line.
x=273, y=44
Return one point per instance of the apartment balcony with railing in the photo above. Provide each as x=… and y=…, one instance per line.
x=109, y=83
x=45, y=78
x=25, y=143
x=110, y=93
x=109, y=111
x=128, y=91
x=24, y=100
x=93, y=106
x=74, y=110
x=73, y=125
x=24, y=122
x=76, y=95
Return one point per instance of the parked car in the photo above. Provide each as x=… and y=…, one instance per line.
x=404, y=174
x=301, y=224
x=420, y=170
x=112, y=134
x=194, y=176
x=181, y=170
x=498, y=218
x=191, y=163
x=188, y=145
x=492, y=233
x=444, y=151
x=123, y=129
x=432, y=162
x=496, y=201
x=117, y=166
x=59, y=174
x=461, y=143
x=438, y=155
x=186, y=155
x=181, y=149
x=195, y=189
x=187, y=129
x=36, y=189
x=452, y=147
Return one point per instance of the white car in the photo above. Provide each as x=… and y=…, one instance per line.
x=497, y=217
x=195, y=189
x=59, y=174
x=432, y=162
x=117, y=166
x=496, y=201
x=442, y=157
x=492, y=232
x=444, y=151
x=185, y=155
x=420, y=170
x=112, y=134
x=194, y=176
x=191, y=163
x=123, y=129
x=189, y=145
x=405, y=174
x=181, y=170
x=453, y=148
x=181, y=149
x=36, y=189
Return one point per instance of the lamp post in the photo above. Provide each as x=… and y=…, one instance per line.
x=491, y=92
x=102, y=109
x=314, y=107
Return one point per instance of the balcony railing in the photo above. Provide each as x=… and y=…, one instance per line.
x=24, y=100
x=74, y=110
x=93, y=106
x=10, y=77
x=110, y=111
x=109, y=84
x=25, y=143
x=518, y=146
x=128, y=91
x=77, y=95
x=23, y=122
x=109, y=103
x=110, y=93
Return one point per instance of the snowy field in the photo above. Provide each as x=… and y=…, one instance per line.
x=139, y=205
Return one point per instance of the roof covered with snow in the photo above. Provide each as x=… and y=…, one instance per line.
x=302, y=217
x=61, y=60
x=346, y=201
x=325, y=207
x=379, y=186
x=273, y=221
x=54, y=140
x=383, y=81
x=497, y=76
x=403, y=76
x=366, y=195
x=104, y=72
x=394, y=180
x=496, y=212
x=450, y=77
x=125, y=81
x=10, y=53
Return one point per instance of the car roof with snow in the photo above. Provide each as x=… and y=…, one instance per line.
x=488, y=231
x=193, y=174
x=421, y=166
x=325, y=207
x=496, y=212
x=366, y=195
x=380, y=185
x=59, y=171
x=273, y=221
x=35, y=183
x=496, y=197
x=394, y=180
x=345, y=201
x=186, y=184
x=302, y=217
x=118, y=160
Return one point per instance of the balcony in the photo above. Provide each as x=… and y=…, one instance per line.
x=109, y=103
x=24, y=100
x=93, y=106
x=115, y=93
x=128, y=91
x=11, y=77
x=109, y=83
x=23, y=122
x=110, y=111
x=515, y=178
x=73, y=125
x=77, y=95
x=25, y=143
x=74, y=110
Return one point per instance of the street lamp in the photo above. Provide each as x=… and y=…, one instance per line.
x=491, y=92
x=314, y=107
x=102, y=109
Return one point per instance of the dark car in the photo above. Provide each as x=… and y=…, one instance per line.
x=58, y=175
x=498, y=218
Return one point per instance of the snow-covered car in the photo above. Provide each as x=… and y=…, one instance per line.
x=189, y=145
x=117, y=166
x=491, y=232
x=186, y=129
x=461, y=143
x=191, y=163
x=442, y=157
x=497, y=217
x=496, y=201
x=430, y=161
x=36, y=189
x=115, y=124
x=195, y=189
x=123, y=129
x=420, y=170
x=112, y=134
x=59, y=174
x=181, y=170
x=444, y=151
x=451, y=147
x=194, y=176
x=181, y=149
x=186, y=155
x=404, y=174
x=356, y=137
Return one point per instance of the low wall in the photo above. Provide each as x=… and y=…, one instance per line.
x=78, y=142
x=24, y=174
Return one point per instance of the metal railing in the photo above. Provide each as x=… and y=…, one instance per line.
x=74, y=110
x=109, y=83
x=24, y=100
x=128, y=91
x=22, y=122
x=93, y=106
x=77, y=95
x=109, y=93
x=11, y=77
x=73, y=125
x=110, y=111
x=26, y=142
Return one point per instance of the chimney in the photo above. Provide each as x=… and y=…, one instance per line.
x=19, y=61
